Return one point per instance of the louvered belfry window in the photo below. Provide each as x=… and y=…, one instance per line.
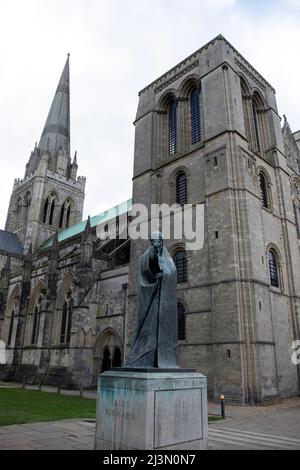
x=181, y=266
x=273, y=269
x=51, y=212
x=68, y=217
x=256, y=126
x=45, y=211
x=172, y=121
x=181, y=322
x=263, y=191
x=195, y=116
x=62, y=214
x=181, y=189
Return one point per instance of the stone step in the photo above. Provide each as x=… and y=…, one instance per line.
x=234, y=430
x=231, y=444
x=253, y=440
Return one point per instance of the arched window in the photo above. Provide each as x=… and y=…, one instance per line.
x=181, y=321
x=273, y=268
x=27, y=203
x=11, y=327
x=262, y=137
x=181, y=189
x=68, y=217
x=263, y=191
x=66, y=324
x=33, y=324
x=18, y=211
x=45, y=212
x=246, y=109
x=296, y=220
x=49, y=209
x=172, y=124
x=255, y=119
x=181, y=266
x=52, y=212
x=295, y=187
x=36, y=325
x=195, y=115
x=256, y=126
x=65, y=214
x=61, y=218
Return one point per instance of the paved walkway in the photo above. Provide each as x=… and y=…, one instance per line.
x=258, y=427
x=272, y=427
x=59, y=435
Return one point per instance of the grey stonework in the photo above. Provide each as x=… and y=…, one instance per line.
x=239, y=329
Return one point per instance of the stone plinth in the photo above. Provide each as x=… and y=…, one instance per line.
x=151, y=410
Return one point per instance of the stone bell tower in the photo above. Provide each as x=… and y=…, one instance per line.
x=50, y=197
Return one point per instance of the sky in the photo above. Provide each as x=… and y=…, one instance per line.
x=117, y=47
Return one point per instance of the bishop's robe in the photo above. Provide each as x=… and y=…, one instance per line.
x=156, y=335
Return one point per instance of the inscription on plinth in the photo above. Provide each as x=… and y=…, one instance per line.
x=120, y=410
x=143, y=411
x=178, y=414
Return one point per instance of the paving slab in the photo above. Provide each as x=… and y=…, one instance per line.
x=258, y=428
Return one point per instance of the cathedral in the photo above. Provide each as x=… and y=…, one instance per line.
x=206, y=132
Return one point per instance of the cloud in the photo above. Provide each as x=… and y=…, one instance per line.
x=221, y=3
x=293, y=3
x=208, y=3
x=118, y=47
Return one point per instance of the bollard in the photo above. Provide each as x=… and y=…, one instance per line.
x=222, y=398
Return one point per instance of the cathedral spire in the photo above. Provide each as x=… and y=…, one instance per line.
x=56, y=133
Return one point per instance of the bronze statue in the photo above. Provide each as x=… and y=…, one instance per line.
x=156, y=335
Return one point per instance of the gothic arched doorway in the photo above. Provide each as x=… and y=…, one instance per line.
x=117, y=358
x=107, y=352
x=106, y=362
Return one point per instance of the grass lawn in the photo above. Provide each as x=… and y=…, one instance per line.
x=18, y=406
x=215, y=418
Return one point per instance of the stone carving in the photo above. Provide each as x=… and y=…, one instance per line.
x=157, y=329
x=88, y=325
x=109, y=305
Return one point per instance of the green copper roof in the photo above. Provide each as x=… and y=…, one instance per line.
x=96, y=220
x=9, y=242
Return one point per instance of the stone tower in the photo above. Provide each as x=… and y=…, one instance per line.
x=208, y=132
x=50, y=197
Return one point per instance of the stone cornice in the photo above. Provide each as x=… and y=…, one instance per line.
x=175, y=77
x=191, y=62
x=250, y=75
x=169, y=75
